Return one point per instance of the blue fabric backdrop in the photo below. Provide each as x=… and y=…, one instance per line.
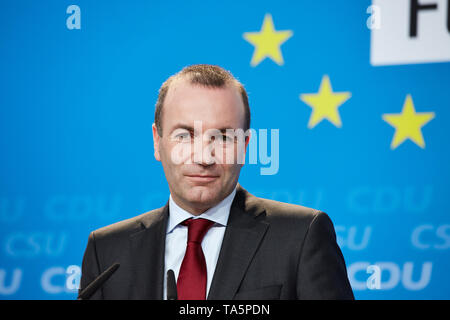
x=76, y=108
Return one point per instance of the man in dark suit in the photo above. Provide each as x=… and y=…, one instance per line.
x=220, y=241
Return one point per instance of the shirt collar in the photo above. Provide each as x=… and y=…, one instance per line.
x=219, y=213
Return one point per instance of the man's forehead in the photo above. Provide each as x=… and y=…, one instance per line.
x=185, y=103
x=187, y=98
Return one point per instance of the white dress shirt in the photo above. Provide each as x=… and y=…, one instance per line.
x=176, y=237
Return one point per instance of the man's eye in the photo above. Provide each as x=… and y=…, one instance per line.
x=224, y=139
x=183, y=137
x=227, y=138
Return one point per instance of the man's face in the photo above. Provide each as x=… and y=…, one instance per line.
x=199, y=156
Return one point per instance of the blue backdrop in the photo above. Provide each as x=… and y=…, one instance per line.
x=78, y=89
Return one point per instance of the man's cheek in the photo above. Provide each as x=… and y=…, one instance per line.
x=225, y=155
x=180, y=154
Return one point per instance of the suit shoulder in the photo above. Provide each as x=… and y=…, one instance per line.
x=288, y=211
x=283, y=215
x=298, y=219
x=292, y=222
x=127, y=227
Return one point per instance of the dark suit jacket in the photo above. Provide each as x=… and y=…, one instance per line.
x=270, y=250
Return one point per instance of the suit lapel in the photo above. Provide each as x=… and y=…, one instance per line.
x=147, y=248
x=245, y=229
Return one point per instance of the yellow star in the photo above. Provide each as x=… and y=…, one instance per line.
x=408, y=124
x=325, y=103
x=267, y=42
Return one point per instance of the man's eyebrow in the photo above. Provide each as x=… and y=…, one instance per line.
x=224, y=130
x=191, y=129
x=182, y=126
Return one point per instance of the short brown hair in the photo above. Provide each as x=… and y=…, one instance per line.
x=205, y=75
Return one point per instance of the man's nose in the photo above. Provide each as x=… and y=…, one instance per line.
x=204, y=153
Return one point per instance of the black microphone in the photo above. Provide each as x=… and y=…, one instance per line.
x=87, y=292
x=171, y=286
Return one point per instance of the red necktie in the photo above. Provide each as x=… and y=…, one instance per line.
x=191, y=283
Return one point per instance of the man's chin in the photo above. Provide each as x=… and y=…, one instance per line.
x=203, y=196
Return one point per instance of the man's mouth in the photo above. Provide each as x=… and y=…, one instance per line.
x=201, y=178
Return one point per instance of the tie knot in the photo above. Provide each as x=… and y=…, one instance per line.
x=197, y=228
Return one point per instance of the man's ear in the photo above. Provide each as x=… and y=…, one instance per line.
x=156, y=141
x=247, y=139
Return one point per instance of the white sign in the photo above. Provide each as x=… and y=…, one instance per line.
x=410, y=31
